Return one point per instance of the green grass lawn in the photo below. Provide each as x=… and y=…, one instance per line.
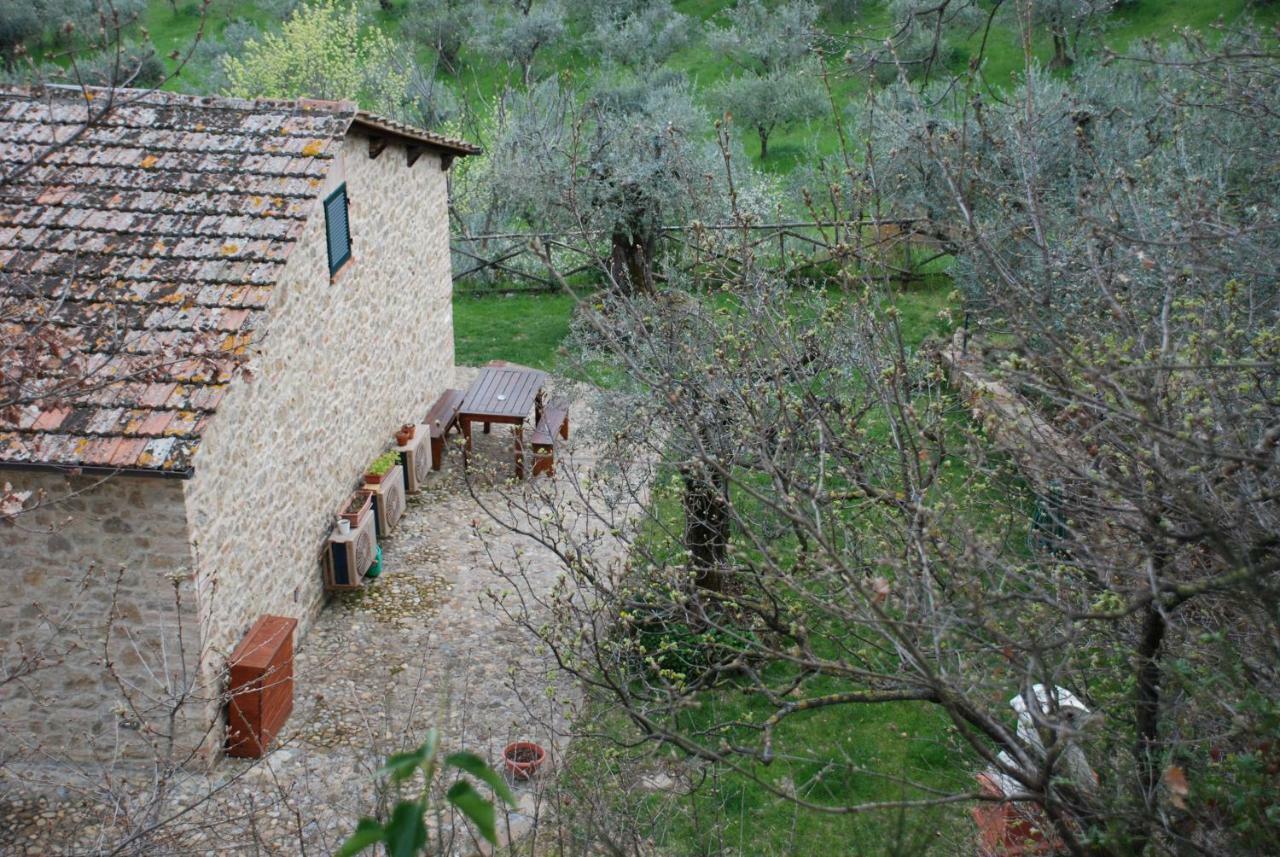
x=522, y=328
x=732, y=813
x=529, y=327
x=1003, y=60
x=837, y=757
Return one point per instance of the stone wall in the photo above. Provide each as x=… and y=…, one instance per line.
x=1052, y=461
x=91, y=543
x=341, y=364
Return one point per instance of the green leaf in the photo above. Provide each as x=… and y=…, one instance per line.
x=406, y=832
x=464, y=796
x=478, y=768
x=401, y=766
x=367, y=833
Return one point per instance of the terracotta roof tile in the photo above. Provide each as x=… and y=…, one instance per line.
x=126, y=454
x=51, y=419
x=155, y=424
x=150, y=245
x=99, y=450
x=382, y=123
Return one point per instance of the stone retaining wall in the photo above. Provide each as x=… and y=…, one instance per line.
x=90, y=544
x=1048, y=458
x=1043, y=453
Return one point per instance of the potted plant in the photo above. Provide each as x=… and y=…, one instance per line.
x=405, y=434
x=381, y=466
x=523, y=758
x=357, y=508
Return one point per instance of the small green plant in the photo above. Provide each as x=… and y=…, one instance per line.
x=405, y=833
x=668, y=645
x=383, y=463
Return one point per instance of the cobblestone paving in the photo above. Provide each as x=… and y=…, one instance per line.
x=419, y=647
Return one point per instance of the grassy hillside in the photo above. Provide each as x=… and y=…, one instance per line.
x=480, y=79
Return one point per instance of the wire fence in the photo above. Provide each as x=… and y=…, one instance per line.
x=508, y=261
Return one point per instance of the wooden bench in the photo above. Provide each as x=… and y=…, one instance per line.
x=442, y=417
x=554, y=422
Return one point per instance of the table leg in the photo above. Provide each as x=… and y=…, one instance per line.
x=464, y=425
x=537, y=408
x=518, y=432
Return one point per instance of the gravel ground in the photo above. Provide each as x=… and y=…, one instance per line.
x=421, y=646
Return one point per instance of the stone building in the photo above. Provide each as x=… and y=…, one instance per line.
x=214, y=313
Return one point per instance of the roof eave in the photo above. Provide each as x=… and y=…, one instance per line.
x=97, y=470
x=408, y=135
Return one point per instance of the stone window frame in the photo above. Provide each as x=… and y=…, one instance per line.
x=336, y=265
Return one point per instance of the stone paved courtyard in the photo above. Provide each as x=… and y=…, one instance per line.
x=421, y=646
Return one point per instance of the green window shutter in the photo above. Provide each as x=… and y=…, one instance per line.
x=337, y=229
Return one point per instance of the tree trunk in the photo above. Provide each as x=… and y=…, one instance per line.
x=706, y=524
x=1060, y=57
x=1147, y=716
x=764, y=143
x=448, y=53
x=631, y=263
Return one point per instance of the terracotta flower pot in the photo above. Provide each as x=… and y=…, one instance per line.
x=523, y=758
x=405, y=434
x=360, y=504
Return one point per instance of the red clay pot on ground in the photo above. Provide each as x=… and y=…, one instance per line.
x=523, y=759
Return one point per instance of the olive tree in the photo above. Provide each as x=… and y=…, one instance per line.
x=442, y=26
x=617, y=161
x=18, y=22
x=639, y=37
x=777, y=83
x=926, y=36
x=82, y=32
x=824, y=511
x=323, y=50
x=1067, y=21
x=520, y=34
x=762, y=40
x=765, y=103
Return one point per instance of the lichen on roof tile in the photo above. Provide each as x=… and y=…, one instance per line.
x=143, y=233
x=159, y=233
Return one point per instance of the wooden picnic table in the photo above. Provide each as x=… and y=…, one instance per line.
x=503, y=394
